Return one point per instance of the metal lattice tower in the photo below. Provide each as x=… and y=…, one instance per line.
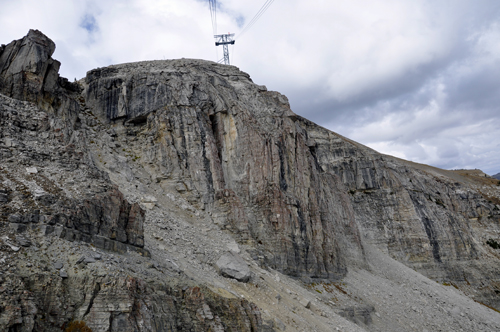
x=225, y=40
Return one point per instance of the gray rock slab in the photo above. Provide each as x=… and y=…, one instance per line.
x=306, y=303
x=85, y=260
x=22, y=241
x=18, y=228
x=231, y=265
x=89, y=259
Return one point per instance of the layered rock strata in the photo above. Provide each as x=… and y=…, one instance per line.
x=297, y=193
x=174, y=158
x=430, y=219
x=237, y=151
x=100, y=215
x=52, y=195
x=37, y=295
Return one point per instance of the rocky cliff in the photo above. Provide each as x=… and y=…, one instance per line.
x=130, y=199
x=236, y=151
x=54, y=203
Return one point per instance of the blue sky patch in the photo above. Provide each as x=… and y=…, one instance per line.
x=89, y=23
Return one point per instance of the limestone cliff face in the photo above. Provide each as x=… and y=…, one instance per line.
x=238, y=152
x=189, y=149
x=28, y=72
x=430, y=219
x=296, y=192
x=55, y=202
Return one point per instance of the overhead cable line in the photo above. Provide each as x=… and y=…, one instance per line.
x=261, y=11
x=213, y=14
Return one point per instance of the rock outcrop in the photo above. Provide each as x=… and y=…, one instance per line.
x=43, y=303
x=297, y=193
x=239, y=152
x=51, y=191
x=28, y=72
x=104, y=219
x=120, y=194
x=427, y=218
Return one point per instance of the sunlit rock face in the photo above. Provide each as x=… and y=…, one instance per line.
x=434, y=221
x=104, y=181
x=237, y=151
x=298, y=193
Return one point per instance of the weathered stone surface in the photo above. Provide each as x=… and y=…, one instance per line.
x=24, y=65
x=217, y=159
x=231, y=265
x=427, y=218
x=28, y=72
x=107, y=215
x=239, y=153
x=124, y=304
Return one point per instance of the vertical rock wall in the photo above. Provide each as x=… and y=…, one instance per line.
x=234, y=149
x=427, y=218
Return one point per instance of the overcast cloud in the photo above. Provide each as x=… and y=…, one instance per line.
x=416, y=79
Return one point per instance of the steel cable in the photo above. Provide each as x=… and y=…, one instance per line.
x=261, y=11
x=212, y=4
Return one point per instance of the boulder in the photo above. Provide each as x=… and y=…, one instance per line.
x=231, y=265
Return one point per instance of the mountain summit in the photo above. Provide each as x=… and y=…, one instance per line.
x=178, y=195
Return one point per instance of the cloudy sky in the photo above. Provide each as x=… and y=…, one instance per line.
x=418, y=79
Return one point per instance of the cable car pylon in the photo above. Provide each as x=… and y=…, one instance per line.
x=224, y=40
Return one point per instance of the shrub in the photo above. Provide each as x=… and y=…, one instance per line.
x=78, y=326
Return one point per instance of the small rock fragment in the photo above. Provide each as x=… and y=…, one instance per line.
x=18, y=228
x=89, y=259
x=15, y=218
x=306, y=303
x=279, y=324
x=13, y=247
x=22, y=241
x=31, y=170
x=4, y=198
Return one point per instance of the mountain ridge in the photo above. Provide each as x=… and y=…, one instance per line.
x=219, y=164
